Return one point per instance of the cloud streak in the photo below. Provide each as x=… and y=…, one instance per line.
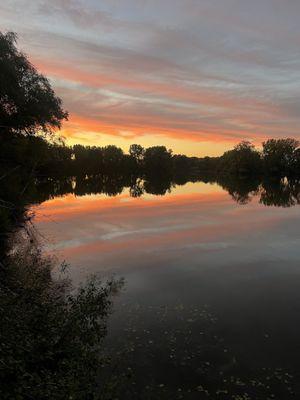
x=182, y=71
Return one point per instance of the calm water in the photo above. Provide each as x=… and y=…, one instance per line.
x=211, y=302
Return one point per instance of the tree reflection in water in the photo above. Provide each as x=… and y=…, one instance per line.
x=279, y=192
x=276, y=192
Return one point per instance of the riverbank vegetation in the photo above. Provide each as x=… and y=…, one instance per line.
x=278, y=158
x=51, y=334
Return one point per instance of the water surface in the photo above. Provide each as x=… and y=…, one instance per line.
x=211, y=301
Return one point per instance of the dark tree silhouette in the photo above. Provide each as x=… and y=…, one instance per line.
x=158, y=160
x=281, y=156
x=244, y=159
x=27, y=102
x=280, y=193
x=137, y=152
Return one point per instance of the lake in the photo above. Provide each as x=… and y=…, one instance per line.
x=211, y=301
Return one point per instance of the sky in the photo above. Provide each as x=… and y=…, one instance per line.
x=197, y=76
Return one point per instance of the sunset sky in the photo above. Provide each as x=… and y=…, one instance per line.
x=195, y=75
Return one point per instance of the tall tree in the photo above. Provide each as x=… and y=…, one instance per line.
x=137, y=152
x=28, y=104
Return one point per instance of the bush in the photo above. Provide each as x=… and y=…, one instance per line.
x=51, y=335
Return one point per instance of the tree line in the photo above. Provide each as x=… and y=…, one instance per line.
x=278, y=158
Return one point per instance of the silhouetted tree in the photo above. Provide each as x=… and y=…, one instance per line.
x=137, y=152
x=296, y=163
x=158, y=160
x=243, y=160
x=112, y=159
x=27, y=102
x=88, y=160
x=182, y=165
x=281, y=156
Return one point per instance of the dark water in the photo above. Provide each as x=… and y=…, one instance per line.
x=211, y=304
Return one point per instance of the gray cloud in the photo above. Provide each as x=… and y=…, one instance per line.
x=207, y=68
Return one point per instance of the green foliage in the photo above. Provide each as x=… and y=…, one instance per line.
x=243, y=160
x=281, y=156
x=28, y=103
x=50, y=336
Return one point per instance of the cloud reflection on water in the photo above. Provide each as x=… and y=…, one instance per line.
x=197, y=224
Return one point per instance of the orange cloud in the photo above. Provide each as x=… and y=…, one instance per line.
x=116, y=94
x=142, y=118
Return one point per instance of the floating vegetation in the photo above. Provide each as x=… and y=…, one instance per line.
x=175, y=353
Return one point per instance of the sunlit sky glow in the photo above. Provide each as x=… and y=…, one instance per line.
x=195, y=75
